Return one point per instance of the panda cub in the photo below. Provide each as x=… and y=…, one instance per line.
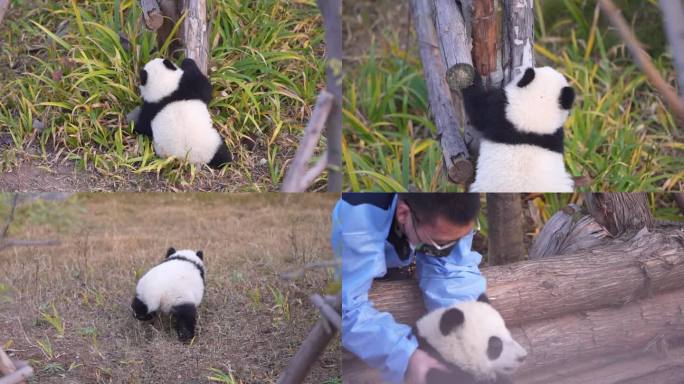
x=521, y=149
x=175, y=114
x=175, y=286
x=471, y=339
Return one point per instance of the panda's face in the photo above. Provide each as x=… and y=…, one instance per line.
x=158, y=79
x=474, y=337
x=539, y=100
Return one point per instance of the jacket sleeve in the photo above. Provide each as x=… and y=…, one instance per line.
x=445, y=281
x=359, y=233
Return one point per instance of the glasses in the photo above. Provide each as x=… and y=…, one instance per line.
x=431, y=248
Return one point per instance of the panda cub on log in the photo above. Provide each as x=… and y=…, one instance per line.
x=175, y=286
x=175, y=114
x=471, y=339
x=521, y=149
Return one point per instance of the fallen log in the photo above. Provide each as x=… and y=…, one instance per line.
x=651, y=323
x=556, y=346
x=608, y=275
x=630, y=367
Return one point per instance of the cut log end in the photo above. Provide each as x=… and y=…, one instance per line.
x=153, y=20
x=460, y=76
x=460, y=171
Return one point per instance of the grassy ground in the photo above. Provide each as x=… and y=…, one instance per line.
x=67, y=308
x=68, y=81
x=619, y=132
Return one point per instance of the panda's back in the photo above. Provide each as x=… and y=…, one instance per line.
x=520, y=168
x=170, y=283
x=184, y=128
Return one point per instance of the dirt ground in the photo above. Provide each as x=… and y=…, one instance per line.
x=251, y=320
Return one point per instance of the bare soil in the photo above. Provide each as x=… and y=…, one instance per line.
x=251, y=321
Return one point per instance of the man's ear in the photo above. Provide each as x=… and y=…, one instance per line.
x=403, y=212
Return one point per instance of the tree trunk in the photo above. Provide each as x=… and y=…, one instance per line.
x=332, y=19
x=505, y=223
x=4, y=6
x=454, y=151
x=620, y=213
x=673, y=17
x=194, y=32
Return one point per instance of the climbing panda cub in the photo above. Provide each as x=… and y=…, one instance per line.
x=175, y=114
x=175, y=286
x=471, y=339
x=521, y=149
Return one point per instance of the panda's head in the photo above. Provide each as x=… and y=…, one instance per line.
x=539, y=100
x=194, y=256
x=472, y=336
x=158, y=79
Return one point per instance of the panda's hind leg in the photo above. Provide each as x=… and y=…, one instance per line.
x=140, y=310
x=186, y=317
x=221, y=157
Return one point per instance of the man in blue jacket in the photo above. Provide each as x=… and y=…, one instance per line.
x=380, y=235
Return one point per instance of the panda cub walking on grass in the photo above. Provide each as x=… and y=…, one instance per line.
x=472, y=340
x=175, y=114
x=522, y=132
x=175, y=286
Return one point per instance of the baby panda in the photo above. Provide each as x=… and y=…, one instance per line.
x=521, y=149
x=175, y=286
x=175, y=114
x=472, y=340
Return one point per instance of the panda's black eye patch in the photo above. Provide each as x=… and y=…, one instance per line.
x=494, y=348
x=567, y=97
x=143, y=77
x=527, y=77
x=168, y=64
x=451, y=319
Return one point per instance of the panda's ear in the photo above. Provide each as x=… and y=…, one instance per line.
x=527, y=77
x=451, y=319
x=143, y=77
x=200, y=254
x=567, y=97
x=483, y=298
x=170, y=251
x=168, y=64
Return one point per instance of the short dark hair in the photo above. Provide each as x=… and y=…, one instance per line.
x=457, y=208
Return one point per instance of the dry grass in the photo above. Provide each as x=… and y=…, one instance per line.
x=250, y=323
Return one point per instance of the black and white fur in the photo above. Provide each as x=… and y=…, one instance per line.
x=521, y=149
x=175, y=114
x=472, y=340
x=175, y=286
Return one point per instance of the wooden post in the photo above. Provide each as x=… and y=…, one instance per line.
x=505, y=222
x=311, y=348
x=152, y=14
x=332, y=21
x=454, y=150
x=673, y=17
x=194, y=32
x=455, y=44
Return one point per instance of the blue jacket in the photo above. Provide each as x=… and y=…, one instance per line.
x=361, y=238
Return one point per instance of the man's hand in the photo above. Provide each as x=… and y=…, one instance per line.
x=419, y=365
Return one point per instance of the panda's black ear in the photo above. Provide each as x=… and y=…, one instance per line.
x=451, y=319
x=527, y=77
x=567, y=97
x=168, y=64
x=143, y=77
x=483, y=298
x=170, y=251
x=200, y=254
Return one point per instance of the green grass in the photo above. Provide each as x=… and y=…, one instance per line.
x=619, y=132
x=70, y=71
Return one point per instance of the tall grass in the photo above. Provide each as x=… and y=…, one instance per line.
x=619, y=133
x=70, y=71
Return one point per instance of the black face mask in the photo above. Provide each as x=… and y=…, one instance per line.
x=431, y=248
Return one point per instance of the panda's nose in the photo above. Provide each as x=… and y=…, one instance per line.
x=521, y=358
